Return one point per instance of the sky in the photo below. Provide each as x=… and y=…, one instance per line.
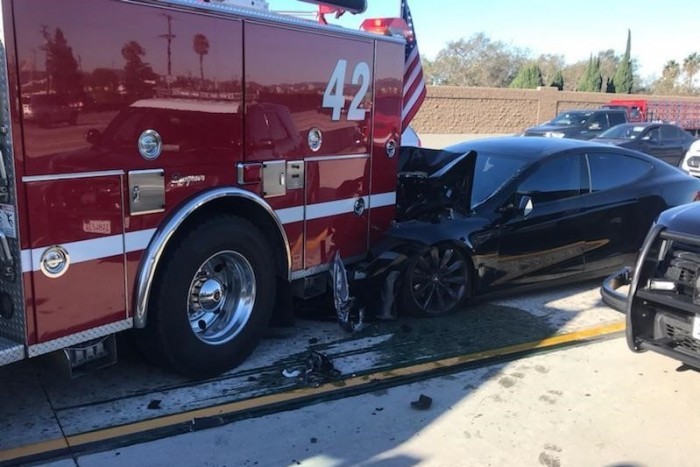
x=661, y=30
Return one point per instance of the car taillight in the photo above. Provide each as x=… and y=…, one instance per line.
x=697, y=196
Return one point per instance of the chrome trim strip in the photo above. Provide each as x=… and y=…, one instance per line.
x=80, y=337
x=336, y=158
x=71, y=176
x=284, y=20
x=152, y=255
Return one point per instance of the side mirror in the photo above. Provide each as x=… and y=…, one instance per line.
x=93, y=136
x=525, y=206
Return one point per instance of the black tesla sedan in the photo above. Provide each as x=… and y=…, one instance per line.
x=662, y=140
x=485, y=215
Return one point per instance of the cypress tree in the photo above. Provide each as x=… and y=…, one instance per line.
x=624, y=79
x=558, y=80
x=529, y=77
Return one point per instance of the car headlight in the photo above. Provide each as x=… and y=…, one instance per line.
x=554, y=134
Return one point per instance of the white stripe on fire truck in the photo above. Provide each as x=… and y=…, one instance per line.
x=113, y=245
x=90, y=250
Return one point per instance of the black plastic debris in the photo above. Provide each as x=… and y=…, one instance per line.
x=205, y=422
x=350, y=313
x=154, y=404
x=423, y=403
x=319, y=370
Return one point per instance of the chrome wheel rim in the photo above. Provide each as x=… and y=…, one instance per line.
x=221, y=297
x=439, y=280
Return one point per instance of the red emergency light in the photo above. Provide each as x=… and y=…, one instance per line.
x=387, y=27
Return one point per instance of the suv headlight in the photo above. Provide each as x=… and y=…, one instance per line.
x=554, y=134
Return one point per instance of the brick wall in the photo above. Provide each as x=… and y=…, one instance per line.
x=471, y=110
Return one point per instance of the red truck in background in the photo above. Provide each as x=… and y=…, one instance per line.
x=682, y=113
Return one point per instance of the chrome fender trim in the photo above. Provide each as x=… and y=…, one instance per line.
x=162, y=236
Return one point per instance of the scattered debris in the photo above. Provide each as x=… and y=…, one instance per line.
x=423, y=403
x=288, y=373
x=319, y=370
x=388, y=311
x=314, y=440
x=313, y=341
x=203, y=423
x=351, y=314
x=154, y=404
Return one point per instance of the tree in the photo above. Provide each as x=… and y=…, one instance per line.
x=139, y=78
x=550, y=64
x=691, y=66
x=61, y=65
x=200, y=44
x=668, y=83
x=592, y=80
x=558, y=80
x=477, y=61
x=529, y=77
x=623, y=81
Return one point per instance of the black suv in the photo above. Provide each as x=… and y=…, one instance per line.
x=663, y=302
x=579, y=124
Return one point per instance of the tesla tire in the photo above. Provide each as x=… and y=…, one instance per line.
x=437, y=281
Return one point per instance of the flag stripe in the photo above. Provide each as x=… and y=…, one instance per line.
x=414, y=89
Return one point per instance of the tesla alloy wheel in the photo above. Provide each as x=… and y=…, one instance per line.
x=437, y=281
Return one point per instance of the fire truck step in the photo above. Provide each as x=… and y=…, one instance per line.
x=10, y=351
x=90, y=356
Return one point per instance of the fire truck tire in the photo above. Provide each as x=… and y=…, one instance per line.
x=437, y=281
x=212, y=298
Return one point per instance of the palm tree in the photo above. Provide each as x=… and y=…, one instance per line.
x=201, y=48
x=691, y=66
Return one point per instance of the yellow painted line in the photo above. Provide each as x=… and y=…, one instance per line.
x=294, y=394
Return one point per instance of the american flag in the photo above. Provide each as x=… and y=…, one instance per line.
x=413, y=82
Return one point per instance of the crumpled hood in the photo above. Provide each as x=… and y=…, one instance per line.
x=430, y=180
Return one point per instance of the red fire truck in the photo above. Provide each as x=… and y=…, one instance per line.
x=685, y=114
x=183, y=167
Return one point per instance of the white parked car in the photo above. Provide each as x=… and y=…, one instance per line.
x=691, y=161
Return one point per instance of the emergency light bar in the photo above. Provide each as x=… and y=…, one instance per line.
x=353, y=6
x=396, y=27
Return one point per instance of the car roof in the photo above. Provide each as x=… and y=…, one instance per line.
x=525, y=146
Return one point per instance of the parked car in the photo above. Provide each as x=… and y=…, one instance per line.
x=663, y=301
x=579, y=124
x=691, y=160
x=512, y=212
x=47, y=109
x=662, y=140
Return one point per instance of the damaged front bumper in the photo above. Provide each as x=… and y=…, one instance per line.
x=610, y=290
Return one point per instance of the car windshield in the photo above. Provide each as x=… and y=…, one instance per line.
x=622, y=132
x=570, y=118
x=491, y=172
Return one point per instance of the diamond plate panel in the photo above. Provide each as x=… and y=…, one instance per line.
x=10, y=352
x=78, y=338
x=13, y=329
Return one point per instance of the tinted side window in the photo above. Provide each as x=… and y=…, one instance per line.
x=556, y=179
x=613, y=170
x=617, y=118
x=598, y=121
x=669, y=133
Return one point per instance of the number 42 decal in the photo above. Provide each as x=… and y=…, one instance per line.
x=334, y=97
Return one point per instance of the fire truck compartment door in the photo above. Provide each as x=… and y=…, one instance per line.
x=77, y=254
